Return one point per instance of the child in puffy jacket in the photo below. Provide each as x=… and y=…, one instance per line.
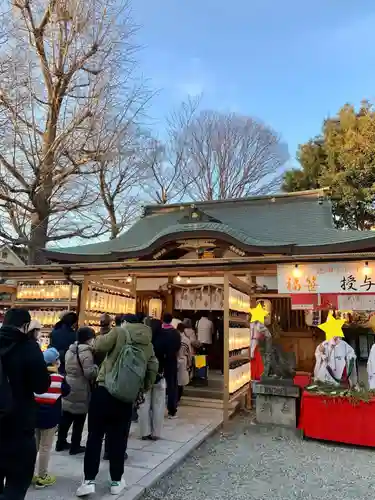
x=48, y=417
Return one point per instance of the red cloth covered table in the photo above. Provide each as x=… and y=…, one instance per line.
x=337, y=419
x=302, y=379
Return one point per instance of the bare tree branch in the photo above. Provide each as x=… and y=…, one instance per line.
x=63, y=66
x=230, y=156
x=166, y=160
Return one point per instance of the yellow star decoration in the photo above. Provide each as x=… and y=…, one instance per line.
x=332, y=327
x=258, y=313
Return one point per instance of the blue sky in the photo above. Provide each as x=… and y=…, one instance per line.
x=290, y=63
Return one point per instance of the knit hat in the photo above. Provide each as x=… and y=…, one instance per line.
x=84, y=334
x=131, y=318
x=51, y=355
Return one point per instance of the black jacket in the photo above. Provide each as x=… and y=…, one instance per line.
x=62, y=337
x=167, y=343
x=27, y=373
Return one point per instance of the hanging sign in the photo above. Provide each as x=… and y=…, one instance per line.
x=342, y=277
x=362, y=302
x=304, y=301
x=310, y=301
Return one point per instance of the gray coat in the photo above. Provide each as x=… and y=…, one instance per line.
x=79, y=378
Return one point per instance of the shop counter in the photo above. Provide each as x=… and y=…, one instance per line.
x=337, y=419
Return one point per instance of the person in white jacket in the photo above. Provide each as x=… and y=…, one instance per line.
x=335, y=363
x=371, y=368
x=185, y=361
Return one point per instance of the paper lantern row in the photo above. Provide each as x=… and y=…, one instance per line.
x=238, y=377
x=239, y=338
x=238, y=301
x=47, y=317
x=47, y=292
x=109, y=303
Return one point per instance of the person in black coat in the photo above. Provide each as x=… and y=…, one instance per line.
x=167, y=343
x=24, y=366
x=63, y=336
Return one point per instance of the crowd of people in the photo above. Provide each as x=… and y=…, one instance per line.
x=133, y=370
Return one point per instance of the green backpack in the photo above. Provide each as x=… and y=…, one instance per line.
x=127, y=376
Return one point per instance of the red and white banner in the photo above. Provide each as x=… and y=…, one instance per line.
x=342, y=302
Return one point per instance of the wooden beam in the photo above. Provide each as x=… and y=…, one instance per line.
x=8, y=289
x=110, y=282
x=83, y=301
x=169, y=297
x=272, y=295
x=113, y=284
x=226, y=349
x=241, y=285
x=252, y=296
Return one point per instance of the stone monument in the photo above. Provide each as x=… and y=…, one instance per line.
x=276, y=395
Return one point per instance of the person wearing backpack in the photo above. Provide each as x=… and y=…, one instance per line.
x=23, y=372
x=81, y=373
x=129, y=369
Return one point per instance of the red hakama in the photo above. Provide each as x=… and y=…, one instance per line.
x=257, y=367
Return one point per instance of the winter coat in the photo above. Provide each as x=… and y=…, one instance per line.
x=27, y=374
x=167, y=345
x=62, y=336
x=80, y=377
x=49, y=410
x=184, y=361
x=114, y=341
x=99, y=357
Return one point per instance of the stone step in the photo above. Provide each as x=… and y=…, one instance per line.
x=207, y=403
x=203, y=392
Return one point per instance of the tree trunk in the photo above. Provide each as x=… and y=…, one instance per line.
x=38, y=240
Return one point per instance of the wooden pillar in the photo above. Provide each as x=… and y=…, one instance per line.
x=83, y=301
x=70, y=295
x=252, y=282
x=226, y=349
x=169, y=300
x=135, y=293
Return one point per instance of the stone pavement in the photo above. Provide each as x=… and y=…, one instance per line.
x=251, y=462
x=148, y=461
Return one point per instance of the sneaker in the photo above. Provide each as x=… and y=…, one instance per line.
x=35, y=479
x=44, y=482
x=117, y=486
x=77, y=451
x=146, y=438
x=172, y=417
x=86, y=488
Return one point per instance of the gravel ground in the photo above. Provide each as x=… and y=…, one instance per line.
x=251, y=462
